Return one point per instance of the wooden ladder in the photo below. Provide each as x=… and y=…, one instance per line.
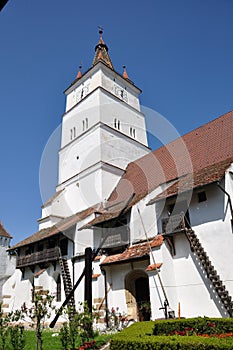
x=67, y=280
x=211, y=273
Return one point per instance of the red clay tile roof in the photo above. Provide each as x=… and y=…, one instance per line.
x=50, y=200
x=205, y=176
x=53, y=230
x=136, y=251
x=3, y=231
x=194, y=152
x=102, y=218
x=154, y=267
x=95, y=275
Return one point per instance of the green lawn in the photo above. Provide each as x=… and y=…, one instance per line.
x=51, y=342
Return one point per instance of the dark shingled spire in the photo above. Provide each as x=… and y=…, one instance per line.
x=101, y=52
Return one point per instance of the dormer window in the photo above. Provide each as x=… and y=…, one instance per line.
x=201, y=196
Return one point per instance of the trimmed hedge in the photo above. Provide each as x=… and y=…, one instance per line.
x=196, y=325
x=140, y=336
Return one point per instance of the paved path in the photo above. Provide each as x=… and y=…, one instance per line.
x=105, y=347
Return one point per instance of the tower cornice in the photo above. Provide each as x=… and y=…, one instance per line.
x=101, y=65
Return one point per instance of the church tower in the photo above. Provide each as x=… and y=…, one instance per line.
x=7, y=266
x=102, y=131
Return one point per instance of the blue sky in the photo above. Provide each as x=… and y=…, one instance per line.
x=180, y=53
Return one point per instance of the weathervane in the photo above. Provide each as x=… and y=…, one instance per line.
x=101, y=30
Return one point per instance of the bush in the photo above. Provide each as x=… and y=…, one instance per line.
x=194, y=326
x=140, y=336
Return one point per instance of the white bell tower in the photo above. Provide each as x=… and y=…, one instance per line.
x=102, y=131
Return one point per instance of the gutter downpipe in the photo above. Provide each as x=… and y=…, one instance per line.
x=106, y=296
x=73, y=264
x=229, y=201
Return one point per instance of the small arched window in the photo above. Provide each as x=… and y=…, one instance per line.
x=86, y=123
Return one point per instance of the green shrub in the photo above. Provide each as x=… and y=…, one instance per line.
x=140, y=336
x=197, y=325
x=170, y=343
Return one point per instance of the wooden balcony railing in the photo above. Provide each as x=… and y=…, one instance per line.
x=45, y=255
x=175, y=223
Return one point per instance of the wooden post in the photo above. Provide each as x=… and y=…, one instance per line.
x=88, y=278
x=178, y=310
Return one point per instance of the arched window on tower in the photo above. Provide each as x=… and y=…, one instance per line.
x=132, y=132
x=86, y=123
x=117, y=124
x=74, y=129
x=83, y=125
x=58, y=291
x=71, y=134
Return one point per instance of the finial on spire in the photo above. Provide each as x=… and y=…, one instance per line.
x=101, y=30
x=125, y=75
x=101, y=35
x=79, y=75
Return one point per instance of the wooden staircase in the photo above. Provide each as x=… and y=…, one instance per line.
x=67, y=280
x=212, y=274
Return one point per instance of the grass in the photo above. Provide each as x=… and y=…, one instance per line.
x=51, y=342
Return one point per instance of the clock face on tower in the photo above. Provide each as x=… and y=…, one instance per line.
x=121, y=93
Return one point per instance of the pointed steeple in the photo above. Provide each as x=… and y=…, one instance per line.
x=101, y=52
x=79, y=74
x=125, y=75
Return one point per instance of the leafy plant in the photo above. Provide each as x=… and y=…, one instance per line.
x=17, y=337
x=4, y=321
x=78, y=329
x=41, y=309
x=64, y=336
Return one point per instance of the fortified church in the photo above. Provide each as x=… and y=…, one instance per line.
x=160, y=223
